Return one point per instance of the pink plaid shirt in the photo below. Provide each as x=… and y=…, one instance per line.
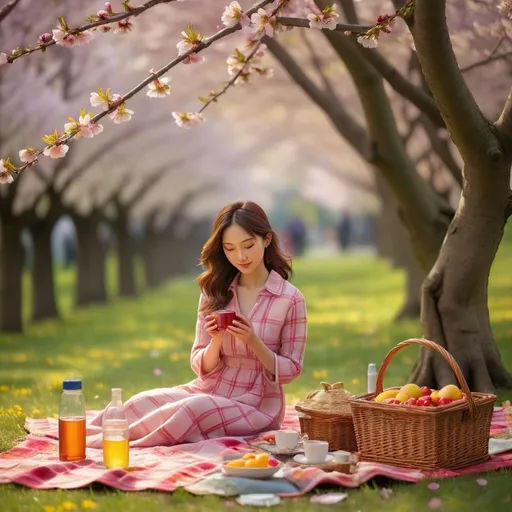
x=237, y=398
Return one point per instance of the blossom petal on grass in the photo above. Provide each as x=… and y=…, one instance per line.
x=435, y=503
x=433, y=486
x=482, y=482
x=157, y=372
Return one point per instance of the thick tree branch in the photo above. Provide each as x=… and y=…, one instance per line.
x=352, y=131
x=317, y=64
x=7, y=9
x=416, y=95
x=465, y=121
x=442, y=149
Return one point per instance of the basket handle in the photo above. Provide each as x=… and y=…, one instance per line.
x=434, y=346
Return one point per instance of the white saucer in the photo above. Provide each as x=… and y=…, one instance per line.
x=301, y=459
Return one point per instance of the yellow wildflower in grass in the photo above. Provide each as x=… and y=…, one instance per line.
x=355, y=381
x=68, y=505
x=4, y=387
x=89, y=504
x=36, y=412
x=320, y=374
x=56, y=416
x=49, y=508
x=22, y=391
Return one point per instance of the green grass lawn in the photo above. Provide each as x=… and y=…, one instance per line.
x=351, y=304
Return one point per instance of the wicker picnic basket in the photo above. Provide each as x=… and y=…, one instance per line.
x=325, y=415
x=428, y=438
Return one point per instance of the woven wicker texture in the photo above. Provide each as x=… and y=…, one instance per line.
x=325, y=415
x=428, y=438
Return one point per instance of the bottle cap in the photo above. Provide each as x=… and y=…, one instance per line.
x=117, y=392
x=372, y=366
x=72, y=384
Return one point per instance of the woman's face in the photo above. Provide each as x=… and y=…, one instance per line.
x=243, y=250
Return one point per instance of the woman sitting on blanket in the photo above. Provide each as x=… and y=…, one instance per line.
x=240, y=371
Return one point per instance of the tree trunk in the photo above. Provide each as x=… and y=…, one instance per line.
x=455, y=312
x=125, y=259
x=394, y=243
x=44, y=304
x=90, y=285
x=11, y=270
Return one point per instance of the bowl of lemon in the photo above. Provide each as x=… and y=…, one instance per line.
x=252, y=465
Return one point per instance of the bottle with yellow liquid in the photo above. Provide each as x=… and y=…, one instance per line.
x=115, y=433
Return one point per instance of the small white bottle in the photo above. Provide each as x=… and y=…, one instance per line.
x=115, y=433
x=372, y=378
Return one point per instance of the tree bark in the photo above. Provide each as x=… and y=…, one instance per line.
x=454, y=309
x=44, y=304
x=394, y=244
x=91, y=255
x=125, y=258
x=11, y=270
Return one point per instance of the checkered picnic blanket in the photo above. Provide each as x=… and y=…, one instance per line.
x=194, y=466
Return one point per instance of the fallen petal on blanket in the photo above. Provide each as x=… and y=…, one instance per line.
x=329, y=498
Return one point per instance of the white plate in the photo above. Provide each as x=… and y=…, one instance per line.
x=259, y=500
x=258, y=473
x=301, y=459
x=274, y=450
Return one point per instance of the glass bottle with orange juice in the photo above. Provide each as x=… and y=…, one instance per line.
x=115, y=433
x=72, y=422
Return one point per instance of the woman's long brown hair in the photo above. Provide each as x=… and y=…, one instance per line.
x=219, y=272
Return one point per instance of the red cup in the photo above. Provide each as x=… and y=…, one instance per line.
x=224, y=318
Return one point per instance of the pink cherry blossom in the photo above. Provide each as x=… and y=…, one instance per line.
x=194, y=58
x=368, y=42
x=98, y=101
x=63, y=38
x=323, y=20
x=56, y=151
x=505, y=8
x=3, y=59
x=159, y=88
x=233, y=15
x=5, y=174
x=435, y=503
x=28, y=155
x=386, y=493
x=157, y=372
x=121, y=114
x=263, y=22
x=123, y=27
x=188, y=119
x=433, y=486
x=184, y=46
x=45, y=38
x=102, y=15
x=482, y=482
x=87, y=130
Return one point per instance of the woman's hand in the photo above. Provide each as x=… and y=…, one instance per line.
x=211, y=328
x=243, y=330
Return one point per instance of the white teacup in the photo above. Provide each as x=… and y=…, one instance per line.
x=316, y=451
x=341, y=457
x=287, y=440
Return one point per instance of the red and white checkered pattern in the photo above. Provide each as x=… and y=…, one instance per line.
x=34, y=463
x=238, y=397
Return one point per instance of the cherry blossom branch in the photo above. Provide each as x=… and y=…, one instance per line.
x=305, y=23
x=213, y=97
x=7, y=168
x=47, y=40
x=485, y=61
